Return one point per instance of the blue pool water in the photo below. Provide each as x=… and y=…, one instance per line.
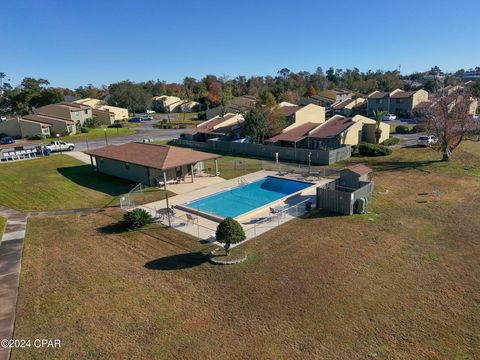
x=242, y=199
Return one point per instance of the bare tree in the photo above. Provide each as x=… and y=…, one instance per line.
x=448, y=117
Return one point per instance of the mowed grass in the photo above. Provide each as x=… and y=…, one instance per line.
x=401, y=282
x=95, y=134
x=61, y=182
x=233, y=166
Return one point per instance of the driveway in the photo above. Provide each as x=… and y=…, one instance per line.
x=144, y=130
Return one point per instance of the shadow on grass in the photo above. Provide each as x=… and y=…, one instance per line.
x=115, y=228
x=402, y=165
x=84, y=175
x=178, y=262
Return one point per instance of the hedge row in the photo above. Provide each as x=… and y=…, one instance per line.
x=374, y=150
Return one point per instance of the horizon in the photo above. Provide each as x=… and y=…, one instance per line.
x=125, y=44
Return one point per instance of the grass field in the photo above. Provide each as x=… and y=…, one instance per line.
x=95, y=134
x=401, y=282
x=61, y=182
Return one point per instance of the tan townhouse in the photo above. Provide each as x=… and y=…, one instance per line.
x=118, y=112
x=77, y=113
x=58, y=125
x=398, y=102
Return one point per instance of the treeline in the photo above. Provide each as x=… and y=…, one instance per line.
x=213, y=90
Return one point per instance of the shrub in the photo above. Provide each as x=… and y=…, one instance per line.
x=374, y=150
x=84, y=130
x=229, y=231
x=391, y=141
x=405, y=129
x=92, y=123
x=36, y=137
x=136, y=219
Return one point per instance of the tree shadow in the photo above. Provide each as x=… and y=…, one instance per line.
x=403, y=165
x=86, y=176
x=323, y=213
x=178, y=262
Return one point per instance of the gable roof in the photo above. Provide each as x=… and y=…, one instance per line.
x=211, y=125
x=47, y=119
x=298, y=133
x=342, y=104
x=402, y=94
x=153, y=156
x=289, y=110
x=359, y=169
x=332, y=127
x=378, y=95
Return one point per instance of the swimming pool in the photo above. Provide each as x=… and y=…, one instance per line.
x=242, y=199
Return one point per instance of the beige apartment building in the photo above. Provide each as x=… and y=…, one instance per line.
x=75, y=112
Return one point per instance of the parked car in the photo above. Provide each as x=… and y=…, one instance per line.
x=388, y=117
x=8, y=140
x=60, y=146
x=116, y=125
x=427, y=140
x=135, y=120
x=147, y=117
x=3, y=118
x=150, y=112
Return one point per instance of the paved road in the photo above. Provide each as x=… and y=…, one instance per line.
x=144, y=130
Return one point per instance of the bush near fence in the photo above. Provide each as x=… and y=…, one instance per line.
x=321, y=157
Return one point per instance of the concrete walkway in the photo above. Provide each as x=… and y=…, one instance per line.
x=11, y=249
x=79, y=156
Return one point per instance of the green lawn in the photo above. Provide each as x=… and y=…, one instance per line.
x=400, y=282
x=234, y=166
x=61, y=182
x=95, y=134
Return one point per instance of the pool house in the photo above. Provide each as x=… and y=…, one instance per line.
x=151, y=164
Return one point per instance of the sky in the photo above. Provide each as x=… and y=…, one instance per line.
x=73, y=43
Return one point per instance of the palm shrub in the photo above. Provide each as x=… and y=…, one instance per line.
x=373, y=150
x=378, y=120
x=136, y=219
x=229, y=231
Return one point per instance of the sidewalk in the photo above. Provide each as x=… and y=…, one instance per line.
x=11, y=250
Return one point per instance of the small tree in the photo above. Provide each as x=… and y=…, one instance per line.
x=378, y=119
x=448, y=119
x=229, y=231
x=136, y=219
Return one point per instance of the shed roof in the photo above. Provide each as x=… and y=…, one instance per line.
x=153, y=156
x=359, y=169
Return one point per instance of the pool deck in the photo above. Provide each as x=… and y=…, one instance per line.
x=254, y=223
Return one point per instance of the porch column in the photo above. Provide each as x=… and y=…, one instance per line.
x=216, y=168
x=191, y=169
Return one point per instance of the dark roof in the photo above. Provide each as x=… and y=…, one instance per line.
x=298, y=133
x=378, y=95
x=46, y=119
x=402, y=94
x=153, y=156
x=359, y=169
x=20, y=143
x=342, y=104
x=332, y=128
x=289, y=110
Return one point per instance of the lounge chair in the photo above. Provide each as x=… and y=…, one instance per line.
x=191, y=219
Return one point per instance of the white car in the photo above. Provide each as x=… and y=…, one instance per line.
x=150, y=112
x=60, y=146
x=388, y=117
x=3, y=118
x=427, y=140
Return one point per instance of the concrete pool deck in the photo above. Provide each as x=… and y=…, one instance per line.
x=254, y=223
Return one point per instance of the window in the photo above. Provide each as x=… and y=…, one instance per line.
x=45, y=131
x=86, y=111
x=101, y=160
x=379, y=101
x=127, y=166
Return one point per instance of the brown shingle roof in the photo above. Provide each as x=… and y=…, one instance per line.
x=342, y=104
x=359, y=169
x=153, y=156
x=208, y=126
x=332, y=128
x=402, y=94
x=298, y=133
x=378, y=95
x=47, y=119
x=289, y=110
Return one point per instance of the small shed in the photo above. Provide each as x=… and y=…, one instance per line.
x=352, y=176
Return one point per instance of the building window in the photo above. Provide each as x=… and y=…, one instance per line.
x=86, y=111
x=101, y=160
x=127, y=166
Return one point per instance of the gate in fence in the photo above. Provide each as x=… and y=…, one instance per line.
x=127, y=200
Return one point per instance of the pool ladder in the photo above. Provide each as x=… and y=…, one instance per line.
x=242, y=181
